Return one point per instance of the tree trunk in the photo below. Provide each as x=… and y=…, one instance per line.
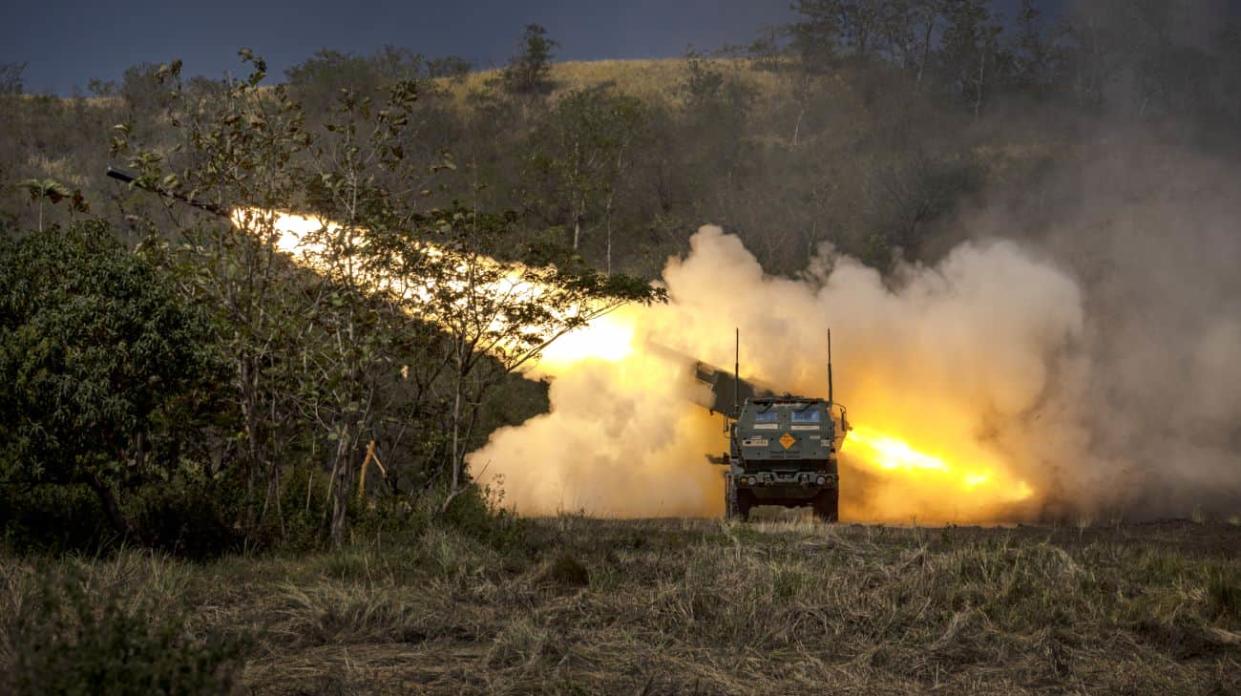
x=341, y=476
x=249, y=413
x=926, y=49
x=608, y=217
x=273, y=494
x=456, y=428
x=982, y=77
x=110, y=507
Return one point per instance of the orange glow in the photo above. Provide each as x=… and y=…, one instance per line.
x=892, y=457
x=610, y=338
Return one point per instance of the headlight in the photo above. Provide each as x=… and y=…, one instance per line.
x=749, y=480
x=821, y=481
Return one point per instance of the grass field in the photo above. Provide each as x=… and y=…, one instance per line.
x=654, y=81
x=573, y=605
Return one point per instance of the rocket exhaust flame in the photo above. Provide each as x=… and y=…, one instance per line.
x=940, y=376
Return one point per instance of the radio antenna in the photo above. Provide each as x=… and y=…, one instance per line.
x=737, y=376
x=830, y=395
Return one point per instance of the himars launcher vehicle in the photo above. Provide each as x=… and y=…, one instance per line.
x=782, y=449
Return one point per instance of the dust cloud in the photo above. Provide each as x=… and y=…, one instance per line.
x=1077, y=357
x=955, y=360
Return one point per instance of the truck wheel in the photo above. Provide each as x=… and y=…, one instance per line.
x=827, y=505
x=731, y=509
x=745, y=501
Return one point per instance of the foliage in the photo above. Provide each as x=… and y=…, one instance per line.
x=528, y=72
x=11, y=78
x=579, y=155
x=142, y=87
x=318, y=81
x=496, y=315
x=54, y=518
x=94, y=346
x=68, y=639
x=41, y=190
x=405, y=323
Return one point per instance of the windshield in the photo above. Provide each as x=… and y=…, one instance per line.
x=809, y=415
x=770, y=415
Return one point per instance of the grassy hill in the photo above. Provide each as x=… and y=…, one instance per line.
x=855, y=156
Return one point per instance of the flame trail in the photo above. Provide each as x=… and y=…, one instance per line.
x=938, y=375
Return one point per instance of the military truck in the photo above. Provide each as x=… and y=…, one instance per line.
x=782, y=450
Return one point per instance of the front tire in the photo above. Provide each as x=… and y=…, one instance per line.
x=827, y=505
x=732, y=510
x=737, y=503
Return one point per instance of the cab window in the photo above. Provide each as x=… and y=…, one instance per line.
x=771, y=415
x=809, y=415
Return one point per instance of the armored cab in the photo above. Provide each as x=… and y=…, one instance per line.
x=782, y=451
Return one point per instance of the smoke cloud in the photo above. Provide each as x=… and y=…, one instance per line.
x=1091, y=370
x=949, y=358
x=1151, y=230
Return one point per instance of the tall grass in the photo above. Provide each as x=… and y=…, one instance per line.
x=583, y=606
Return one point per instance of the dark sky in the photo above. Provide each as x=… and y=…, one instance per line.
x=67, y=42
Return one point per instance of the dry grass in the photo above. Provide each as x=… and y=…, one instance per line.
x=583, y=606
x=654, y=81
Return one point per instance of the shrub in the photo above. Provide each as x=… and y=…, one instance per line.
x=52, y=518
x=188, y=518
x=475, y=514
x=69, y=641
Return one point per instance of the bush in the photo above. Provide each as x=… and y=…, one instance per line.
x=67, y=641
x=99, y=356
x=52, y=518
x=474, y=513
x=186, y=518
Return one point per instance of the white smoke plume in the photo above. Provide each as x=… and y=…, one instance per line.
x=1090, y=371
x=950, y=360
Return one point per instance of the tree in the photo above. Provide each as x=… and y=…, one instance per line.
x=41, y=190
x=361, y=339
x=316, y=342
x=318, y=82
x=582, y=151
x=238, y=147
x=142, y=87
x=712, y=123
x=910, y=29
x=529, y=72
x=1037, y=63
x=971, y=57
x=95, y=344
x=11, y=78
x=817, y=36
x=496, y=315
x=862, y=24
